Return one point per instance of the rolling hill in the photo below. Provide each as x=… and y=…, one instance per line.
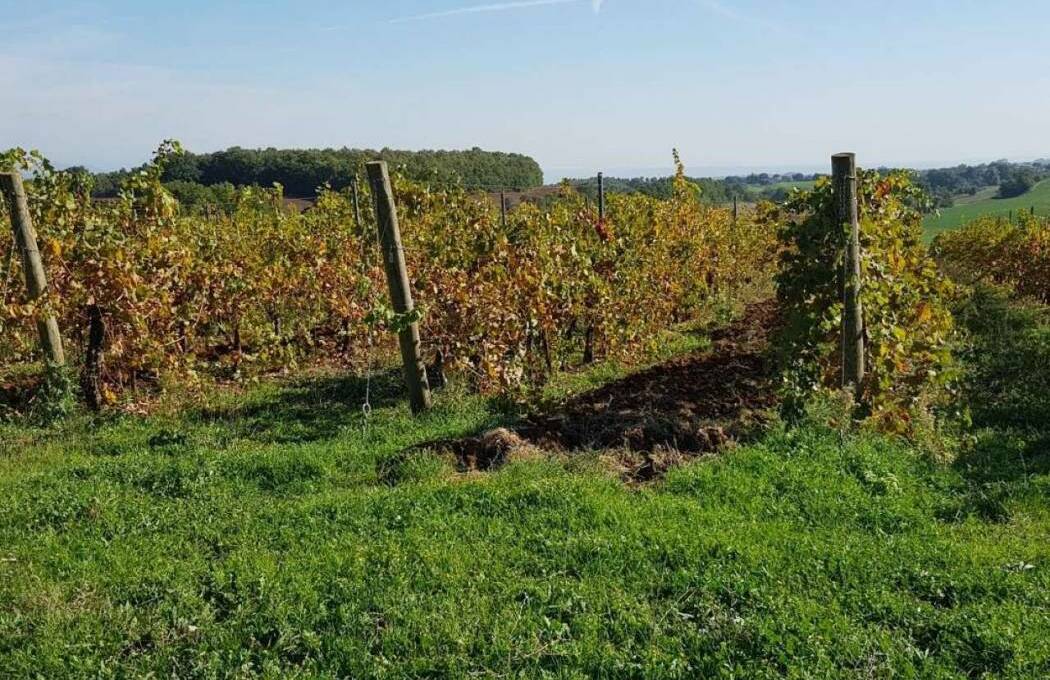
x=986, y=203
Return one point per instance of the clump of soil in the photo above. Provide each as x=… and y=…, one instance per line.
x=16, y=392
x=635, y=467
x=488, y=451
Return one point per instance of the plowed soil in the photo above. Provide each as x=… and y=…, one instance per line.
x=656, y=418
x=692, y=404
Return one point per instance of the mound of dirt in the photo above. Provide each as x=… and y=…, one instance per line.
x=692, y=404
x=488, y=451
x=652, y=420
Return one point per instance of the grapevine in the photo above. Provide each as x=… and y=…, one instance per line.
x=909, y=328
x=263, y=287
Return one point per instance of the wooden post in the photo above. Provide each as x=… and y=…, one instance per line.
x=601, y=197
x=397, y=279
x=735, y=210
x=503, y=208
x=844, y=178
x=36, y=280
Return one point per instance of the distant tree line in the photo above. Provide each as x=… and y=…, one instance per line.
x=211, y=178
x=943, y=184
x=765, y=186
x=1013, y=179
x=302, y=171
x=762, y=186
x=711, y=190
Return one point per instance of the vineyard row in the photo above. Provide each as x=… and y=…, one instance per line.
x=505, y=301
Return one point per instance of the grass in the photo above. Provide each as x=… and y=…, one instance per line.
x=803, y=184
x=986, y=194
x=759, y=189
x=986, y=203
x=1008, y=385
x=269, y=534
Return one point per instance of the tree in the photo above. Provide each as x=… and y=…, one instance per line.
x=1017, y=183
x=303, y=171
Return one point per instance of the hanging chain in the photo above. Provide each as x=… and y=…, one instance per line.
x=366, y=407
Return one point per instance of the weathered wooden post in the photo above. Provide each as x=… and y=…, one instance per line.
x=397, y=280
x=36, y=280
x=601, y=196
x=844, y=182
x=735, y=210
x=503, y=208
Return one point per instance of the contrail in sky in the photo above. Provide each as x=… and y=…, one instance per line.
x=494, y=7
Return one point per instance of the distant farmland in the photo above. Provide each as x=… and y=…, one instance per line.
x=760, y=191
x=800, y=184
x=986, y=203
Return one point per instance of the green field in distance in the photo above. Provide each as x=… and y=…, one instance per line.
x=986, y=203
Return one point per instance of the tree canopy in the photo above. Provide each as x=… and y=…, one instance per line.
x=1018, y=182
x=302, y=171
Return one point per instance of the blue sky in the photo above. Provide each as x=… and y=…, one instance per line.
x=579, y=85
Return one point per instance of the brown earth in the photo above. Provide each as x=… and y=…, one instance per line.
x=689, y=406
x=534, y=195
x=693, y=404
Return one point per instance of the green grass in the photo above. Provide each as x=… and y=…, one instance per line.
x=986, y=194
x=758, y=189
x=268, y=534
x=986, y=203
x=805, y=184
x=1007, y=384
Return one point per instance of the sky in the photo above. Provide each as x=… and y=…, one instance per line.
x=580, y=85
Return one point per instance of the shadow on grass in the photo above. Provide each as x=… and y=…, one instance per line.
x=1006, y=457
x=998, y=470
x=309, y=409
x=1007, y=387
